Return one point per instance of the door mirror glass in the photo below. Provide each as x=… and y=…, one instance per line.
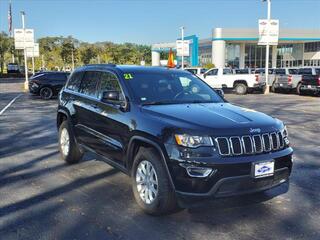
x=112, y=96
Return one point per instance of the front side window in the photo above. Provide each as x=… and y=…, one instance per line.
x=109, y=82
x=170, y=88
x=212, y=72
x=89, y=83
x=75, y=81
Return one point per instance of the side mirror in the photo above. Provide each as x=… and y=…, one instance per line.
x=220, y=92
x=112, y=96
x=204, y=75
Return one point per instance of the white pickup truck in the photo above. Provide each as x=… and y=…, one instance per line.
x=227, y=78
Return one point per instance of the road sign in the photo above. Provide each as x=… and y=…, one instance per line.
x=268, y=32
x=183, y=51
x=33, y=52
x=23, y=38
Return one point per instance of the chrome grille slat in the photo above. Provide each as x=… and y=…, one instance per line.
x=240, y=145
x=247, y=145
x=257, y=141
x=236, y=150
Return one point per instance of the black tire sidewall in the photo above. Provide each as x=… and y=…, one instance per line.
x=74, y=154
x=43, y=97
x=165, y=191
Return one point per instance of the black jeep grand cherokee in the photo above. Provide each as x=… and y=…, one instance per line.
x=174, y=135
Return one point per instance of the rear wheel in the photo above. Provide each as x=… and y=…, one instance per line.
x=273, y=88
x=151, y=185
x=241, y=89
x=68, y=147
x=46, y=93
x=299, y=89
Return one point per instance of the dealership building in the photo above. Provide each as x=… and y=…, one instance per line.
x=239, y=48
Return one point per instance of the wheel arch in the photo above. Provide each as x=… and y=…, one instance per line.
x=240, y=81
x=135, y=143
x=61, y=116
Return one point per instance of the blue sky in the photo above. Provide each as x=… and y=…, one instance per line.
x=151, y=21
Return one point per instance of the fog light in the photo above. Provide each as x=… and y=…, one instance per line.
x=198, y=172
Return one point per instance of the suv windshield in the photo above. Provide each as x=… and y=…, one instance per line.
x=171, y=88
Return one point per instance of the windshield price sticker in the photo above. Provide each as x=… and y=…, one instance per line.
x=128, y=76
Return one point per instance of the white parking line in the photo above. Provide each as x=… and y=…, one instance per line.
x=9, y=104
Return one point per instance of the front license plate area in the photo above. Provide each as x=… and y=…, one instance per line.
x=263, y=169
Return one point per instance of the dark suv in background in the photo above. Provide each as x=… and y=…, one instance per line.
x=174, y=135
x=47, y=84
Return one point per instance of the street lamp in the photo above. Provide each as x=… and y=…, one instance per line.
x=182, y=52
x=267, y=48
x=26, y=85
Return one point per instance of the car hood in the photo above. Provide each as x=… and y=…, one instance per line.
x=218, y=117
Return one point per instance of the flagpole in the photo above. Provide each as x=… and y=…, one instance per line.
x=10, y=26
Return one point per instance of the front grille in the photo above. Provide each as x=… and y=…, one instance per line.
x=245, y=145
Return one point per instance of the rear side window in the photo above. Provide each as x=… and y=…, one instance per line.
x=109, y=82
x=57, y=76
x=293, y=71
x=280, y=71
x=227, y=71
x=317, y=71
x=89, y=83
x=305, y=71
x=75, y=81
x=242, y=71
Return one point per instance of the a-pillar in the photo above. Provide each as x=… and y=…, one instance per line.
x=155, y=58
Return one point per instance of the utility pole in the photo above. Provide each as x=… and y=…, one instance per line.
x=26, y=85
x=182, y=38
x=33, y=60
x=267, y=49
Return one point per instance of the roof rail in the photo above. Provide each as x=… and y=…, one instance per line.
x=102, y=64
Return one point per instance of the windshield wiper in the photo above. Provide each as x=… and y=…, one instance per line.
x=159, y=103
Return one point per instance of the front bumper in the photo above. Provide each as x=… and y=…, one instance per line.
x=233, y=175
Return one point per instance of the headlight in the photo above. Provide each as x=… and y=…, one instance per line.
x=193, y=141
x=285, y=132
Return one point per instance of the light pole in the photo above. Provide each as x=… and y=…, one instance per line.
x=182, y=38
x=26, y=85
x=267, y=48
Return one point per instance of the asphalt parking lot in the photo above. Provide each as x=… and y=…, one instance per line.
x=43, y=198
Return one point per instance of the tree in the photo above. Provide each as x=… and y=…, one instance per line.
x=87, y=53
x=5, y=46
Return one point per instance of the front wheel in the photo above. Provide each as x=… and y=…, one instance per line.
x=68, y=147
x=241, y=89
x=46, y=93
x=151, y=185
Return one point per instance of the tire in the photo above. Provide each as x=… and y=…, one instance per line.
x=241, y=89
x=273, y=88
x=298, y=90
x=68, y=147
x=164, y=199
x=46, y=93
